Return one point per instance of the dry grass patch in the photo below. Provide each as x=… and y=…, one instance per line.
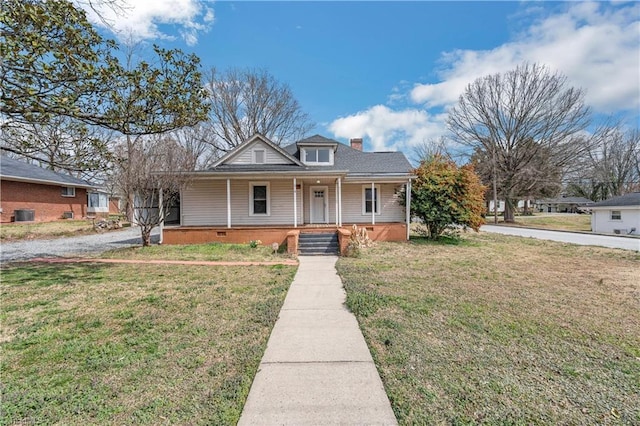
x=134, y=344
x=501, y=330
x=199, y=252
x=45, y=230
x=559, y=221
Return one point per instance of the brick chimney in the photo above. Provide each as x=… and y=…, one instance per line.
x=356, y=143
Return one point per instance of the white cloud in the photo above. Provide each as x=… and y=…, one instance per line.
x=387, y=129
x=139, y=19
x=594, y=45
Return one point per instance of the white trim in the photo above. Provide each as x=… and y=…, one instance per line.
x=254, y=157
x=340, y=201
x=374, y=199
x=611, y=219
x=303, y=156
x=65, y=194
x=228, y=203
x=253, y=184
x=295, y=203
x=326, y=203
x=337, y=203
x=377, y=190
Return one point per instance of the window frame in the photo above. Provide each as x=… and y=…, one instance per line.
x=255, y=157
x=317, y=150
x=65, y=191
x=619, y=215
x=252, y=185
x=377, y=193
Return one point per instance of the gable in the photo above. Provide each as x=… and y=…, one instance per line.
x=258, y=150
x=247, y=155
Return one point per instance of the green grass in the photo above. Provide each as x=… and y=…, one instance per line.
x=501, y=330
x=199, y=252
x=558, y=221
x=133, y=344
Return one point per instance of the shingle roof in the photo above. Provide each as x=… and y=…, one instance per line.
x=318, y=140
x=630, y=199
x=358, y=162
x=19, y=170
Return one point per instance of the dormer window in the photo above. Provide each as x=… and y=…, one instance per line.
x=317, y=156
x=259, y=156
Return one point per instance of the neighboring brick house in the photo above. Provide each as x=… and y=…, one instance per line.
x=40, y=193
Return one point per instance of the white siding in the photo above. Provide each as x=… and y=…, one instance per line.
x=391, y=210
x=271, y=156
x=205, y=203
x=601, y=220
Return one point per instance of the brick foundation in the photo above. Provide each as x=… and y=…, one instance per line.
x=46, y=200
x=280, y=235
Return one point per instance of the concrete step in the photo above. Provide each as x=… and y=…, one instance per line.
x=318, y=244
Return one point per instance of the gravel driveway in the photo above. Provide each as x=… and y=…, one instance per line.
x=70, y=246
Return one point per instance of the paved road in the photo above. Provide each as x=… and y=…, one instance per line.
x=568, y=237
x=69, y=246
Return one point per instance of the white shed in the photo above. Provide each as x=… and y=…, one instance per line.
x=618, y=215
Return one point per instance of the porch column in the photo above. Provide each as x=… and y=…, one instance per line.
x=295, y=203
x=337, y=203
x=408, y=207
x=228, y=203
x=374, y=203
x=161, y=213
x=340, y=202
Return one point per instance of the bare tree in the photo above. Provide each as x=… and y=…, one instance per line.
x=614, y=159
x=529, y=106
x=429, y=148
x=246, y=101
x=155, y=170
x=61, y=144
x=197, y=141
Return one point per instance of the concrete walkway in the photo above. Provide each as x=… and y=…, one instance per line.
x=317, y=368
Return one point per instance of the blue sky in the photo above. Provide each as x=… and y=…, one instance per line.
x=388, y=71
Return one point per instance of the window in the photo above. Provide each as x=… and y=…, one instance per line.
x=318, y=155
x=616, y=215
x=68, y=191
x=259, y=156
x=370, y=202
x=97, y=200
x=259, y=195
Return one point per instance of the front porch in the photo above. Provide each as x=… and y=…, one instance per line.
x=280, y=234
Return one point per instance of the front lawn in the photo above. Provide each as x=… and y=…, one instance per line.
x=501, y=330
x=133, y=344
x=199, y=252
x=554, y=221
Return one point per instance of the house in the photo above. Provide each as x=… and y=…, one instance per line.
x=563, y=204
x=31, y=193
x=618, y=215
x=261, y=191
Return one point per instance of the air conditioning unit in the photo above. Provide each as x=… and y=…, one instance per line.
x=620, y=231
x=67, y=215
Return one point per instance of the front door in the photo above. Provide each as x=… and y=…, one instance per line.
x=318, y=206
